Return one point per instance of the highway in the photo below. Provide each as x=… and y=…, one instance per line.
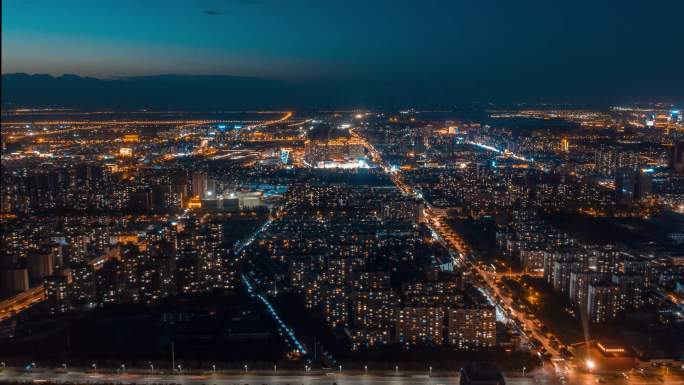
x=20, y=302
x=313, y=378
x=37, y=376
x=288, y=115
x=98, y=124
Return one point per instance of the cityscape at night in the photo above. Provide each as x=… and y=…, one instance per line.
x=357, y=193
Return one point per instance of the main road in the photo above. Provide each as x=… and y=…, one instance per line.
x=20, y=302
x=37, y=376
x=318, y=378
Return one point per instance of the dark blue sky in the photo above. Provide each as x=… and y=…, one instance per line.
x=507, y=50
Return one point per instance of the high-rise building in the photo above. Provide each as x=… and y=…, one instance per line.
x=336, y=306
x=419, y=144
x=565, y=145
x=472, y=328
x=369, y=338
x=561, y=275
x=106, y=286
x=13, y=279
x=87, y=173
x=632, y=184
x=632, y=289
x=187, y=275
x=677, y=158
x=375, y=309
x=161, y=197
x=337, y=149
x=532, y=259
x=40, y=264
x=56, y=297
x=140, y=201
x=579, y=285
x=365, y=281
x=199, y=184
x=82, y=288
x=402, y=210
x=557, y=264
x=420, y=325
x=603, y=302
x=603, y=260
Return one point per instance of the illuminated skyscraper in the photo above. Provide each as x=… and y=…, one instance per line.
x=603, y=302
x=565, y=145
x=420, y=325
x=677, y=158
x=472, y=327
x=632, y=184
x=55, y=287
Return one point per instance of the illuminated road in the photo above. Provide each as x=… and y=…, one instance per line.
x=652, y=377
x=506, y=301
x=253, y=290
x=284, y=118
x=283, y=328
x=248, y=379
x=98, y=124
x=20, y=302
x=496, y=150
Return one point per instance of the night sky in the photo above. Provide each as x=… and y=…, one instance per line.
x=480, y=50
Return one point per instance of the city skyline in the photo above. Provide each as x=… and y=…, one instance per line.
x=267, y=192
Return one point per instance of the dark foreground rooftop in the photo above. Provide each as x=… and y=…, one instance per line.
x=481, y=373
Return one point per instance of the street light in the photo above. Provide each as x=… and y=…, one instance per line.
x=524, y=368
x=64, y=366
x=123, y=367
x=430, y=370
x=591, y=364
x=213, y=368
x=365, y=368
x=151, y=367
x=396, y=369
x=94, y=366
x=180, y=369
x=245, y=368
x=275, y=368
x=340, y=368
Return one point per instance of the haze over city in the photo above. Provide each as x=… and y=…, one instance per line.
x=267, y=192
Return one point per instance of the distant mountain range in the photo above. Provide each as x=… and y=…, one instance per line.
x=198, y=93
x=163, y=91
x=215, y=92
x=222, y=92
